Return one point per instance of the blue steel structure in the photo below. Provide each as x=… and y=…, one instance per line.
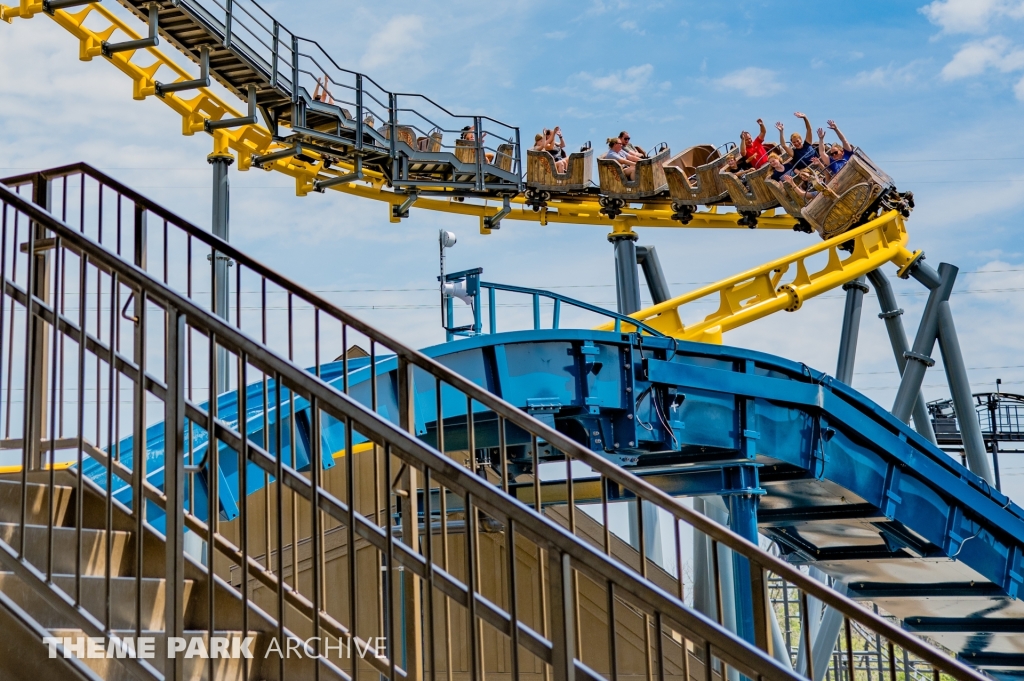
x=799, y=457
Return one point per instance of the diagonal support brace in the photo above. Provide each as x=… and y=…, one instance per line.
x=494, y=221
x=321, y=185
x=401, y=210
x=250, y=119
x=261, y=161
x=202, y=81
x=51, y=6
x=152, y=40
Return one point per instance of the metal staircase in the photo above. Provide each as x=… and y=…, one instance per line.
x=415, y=143
x=315, y=518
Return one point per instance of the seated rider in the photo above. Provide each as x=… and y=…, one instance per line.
x=469, y=133
x=780, y=170
x=619, y=155
x=752, y=149
x=631, y=148
x=838, y=156
x=834, y=157
x=544, y=142
x=800, y=148
x=320, y=92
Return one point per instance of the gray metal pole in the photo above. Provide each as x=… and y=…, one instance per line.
x=924, y=343
x=892, y=315
x=855, y=291
x=627, y=278
x=963, y=400
x=220, y=228
x=824, y=642
x=657, y=284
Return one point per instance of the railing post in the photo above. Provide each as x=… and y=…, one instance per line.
x=563, y=636
x=519, y=161
x=412, y=605
x=275, y=58
x=227, y=23
x=174, y=487
x=761, y=607
x=39, y=340
x=536, y=312
x=478, y=134
x=295, y=80
x=359, y=112
x=492, y=313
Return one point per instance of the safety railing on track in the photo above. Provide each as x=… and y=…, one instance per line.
x=81, y=276
x=537, y=298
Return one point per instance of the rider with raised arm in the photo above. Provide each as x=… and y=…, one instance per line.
x=838, y=155
x=752, y=148
x=800, y=148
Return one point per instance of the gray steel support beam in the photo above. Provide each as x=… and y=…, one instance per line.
x=220, y=226
x=824, y=642
x=652, y=531
x=627, y=278
x=779, y=649
x=716, y=509
x=657, y=284
x=924, y=342
x=174, y=487
x=963, y=400
x=38, y=341
x=814, y=609
x=855, y=291
x=892, y=315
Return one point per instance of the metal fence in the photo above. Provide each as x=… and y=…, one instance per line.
x=107, y=330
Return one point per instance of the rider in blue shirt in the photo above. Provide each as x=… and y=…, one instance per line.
x=837, y=156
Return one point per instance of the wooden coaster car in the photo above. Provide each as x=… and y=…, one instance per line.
x=541, y=175
x=648, y=178
x=693, y=178
x=853, y=192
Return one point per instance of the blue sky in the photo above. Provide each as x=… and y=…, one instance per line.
x=933, y=92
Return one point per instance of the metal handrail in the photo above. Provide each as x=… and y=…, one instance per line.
x=761, y=562
x=566, y=553
x=558, y=298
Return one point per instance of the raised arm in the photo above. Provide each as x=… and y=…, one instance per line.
x=822, y=154
x=763, y=130
x=809, y=135
x=839, y=133
x=782, y=138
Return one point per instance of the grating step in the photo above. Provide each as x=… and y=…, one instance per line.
x=94, y=549
x=94, y=593
x=37, y=506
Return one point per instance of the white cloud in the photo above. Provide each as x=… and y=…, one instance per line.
x=556, y=35
x=632, y=27
x=971, y=16
x=398, y=40
x=1018, y=89
x=627, y=82
x=751, y=81
x=975, y=58
x=889, y=76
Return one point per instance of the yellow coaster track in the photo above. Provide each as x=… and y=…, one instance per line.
x=247, y=140
x=743, y=298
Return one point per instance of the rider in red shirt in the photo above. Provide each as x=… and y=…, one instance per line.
x=753, y=149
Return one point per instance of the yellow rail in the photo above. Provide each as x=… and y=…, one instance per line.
x=246, y=140
x=757, y=293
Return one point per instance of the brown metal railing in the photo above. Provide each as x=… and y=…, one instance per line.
x=406, y=530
